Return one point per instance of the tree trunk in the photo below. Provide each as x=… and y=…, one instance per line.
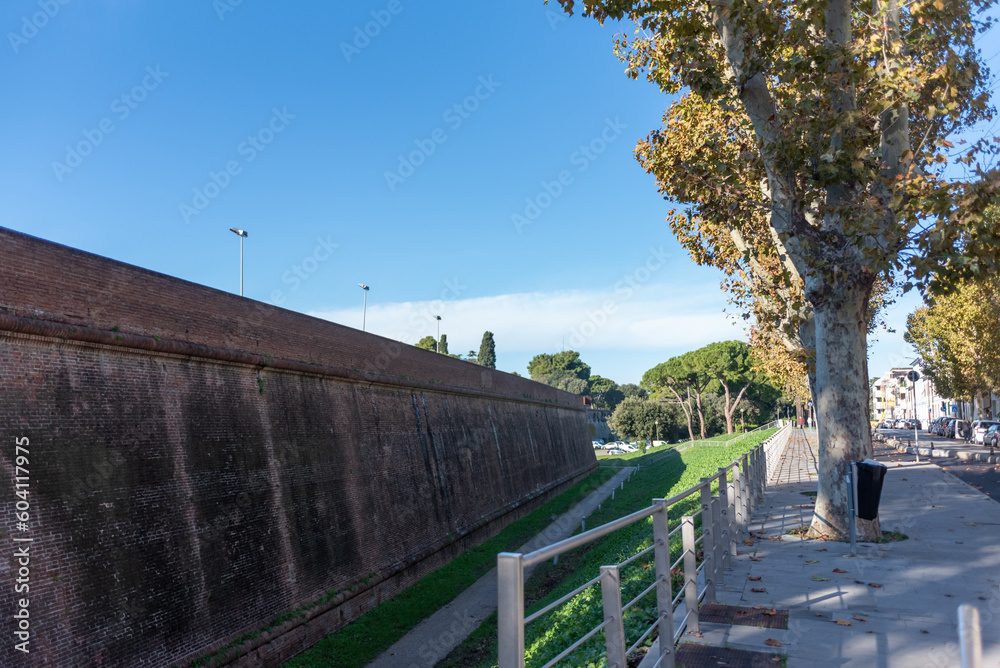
x=687, y=411
x=728, y=410
x=701, y=414
x=841, y=401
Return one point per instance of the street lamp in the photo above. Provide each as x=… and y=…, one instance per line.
x=364, y=311
x=242, y=234
x=656, y=430
x=437, y=344
x=742, y=426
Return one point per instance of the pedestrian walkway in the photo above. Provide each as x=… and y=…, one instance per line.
x=895, y=604
x=433, y=639
x=799, y=462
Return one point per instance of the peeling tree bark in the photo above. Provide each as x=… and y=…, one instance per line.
x=842, y=387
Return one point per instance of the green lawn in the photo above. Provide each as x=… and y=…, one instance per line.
x=660, y=476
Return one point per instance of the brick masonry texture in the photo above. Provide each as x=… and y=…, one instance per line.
x=200, y=463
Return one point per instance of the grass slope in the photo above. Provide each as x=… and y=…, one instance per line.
x=661, y=475
x=371, y=634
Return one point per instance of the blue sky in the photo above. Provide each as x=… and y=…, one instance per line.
x=473, y=164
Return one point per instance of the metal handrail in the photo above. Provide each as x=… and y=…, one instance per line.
x=724, y=517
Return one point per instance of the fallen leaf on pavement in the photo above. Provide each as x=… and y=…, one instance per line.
x=905, y=478
x=822, y=549
x=859, y=582
x=758, y=590
x=839, y=570
x=772, y=612
x=774, y=643
x=817, y=578
x=754, y=578
x=875, y=584
x=819, y=614
x=748, y=541
x=971, y=524
x=812, y=561
x=860, y=619
x=842, y=622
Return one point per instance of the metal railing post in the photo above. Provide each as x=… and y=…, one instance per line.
x=690, y=573
x=708, y=540
x=738, y=502
x=614, y=630
x=718, y=536
x=724, y=519
x=734, y=526
x=664, y=587
x=510, y=610
x=969, y=636
x=746, y=494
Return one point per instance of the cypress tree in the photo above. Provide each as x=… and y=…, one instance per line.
x=487, y=351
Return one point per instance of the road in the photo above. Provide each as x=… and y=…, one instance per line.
x=982, y=476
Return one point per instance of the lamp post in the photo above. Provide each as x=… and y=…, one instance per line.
x=437, y=343
x=656, y=431
x=742, y=426
x=364, y=309
x=242, y=234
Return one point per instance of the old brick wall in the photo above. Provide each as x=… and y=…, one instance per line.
x=198, y=463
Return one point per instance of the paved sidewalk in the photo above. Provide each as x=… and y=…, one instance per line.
x=433, y=639
x=895, y=604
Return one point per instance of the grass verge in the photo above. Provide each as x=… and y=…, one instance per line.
x=659, y=477
x=364, y=639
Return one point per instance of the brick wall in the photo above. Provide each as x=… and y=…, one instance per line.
x=199, y=462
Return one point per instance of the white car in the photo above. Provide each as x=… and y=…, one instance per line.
x=616, y=451
x=979, y=428
x=627, y=447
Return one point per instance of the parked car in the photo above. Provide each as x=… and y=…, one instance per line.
x=935, y=425
x=616, y=451
x=900, y=424
x=992, y=435
x=979, y=428
x=914, y=424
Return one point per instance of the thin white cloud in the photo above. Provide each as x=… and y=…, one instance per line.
x=647, y=317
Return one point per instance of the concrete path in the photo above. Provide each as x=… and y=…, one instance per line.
x=433, y=639
x=894, y=604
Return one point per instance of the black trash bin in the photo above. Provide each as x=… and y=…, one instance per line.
x=870, y=477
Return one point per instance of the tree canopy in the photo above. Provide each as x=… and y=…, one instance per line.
x=818, y=131
x=427, y=343
x=958, y=338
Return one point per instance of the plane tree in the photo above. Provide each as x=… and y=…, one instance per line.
x=847, y=109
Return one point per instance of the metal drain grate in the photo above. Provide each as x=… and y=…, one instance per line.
x=690, y=655
x=714, y=613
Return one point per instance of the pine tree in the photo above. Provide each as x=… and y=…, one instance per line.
x=487, y=351
x=443, y=346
